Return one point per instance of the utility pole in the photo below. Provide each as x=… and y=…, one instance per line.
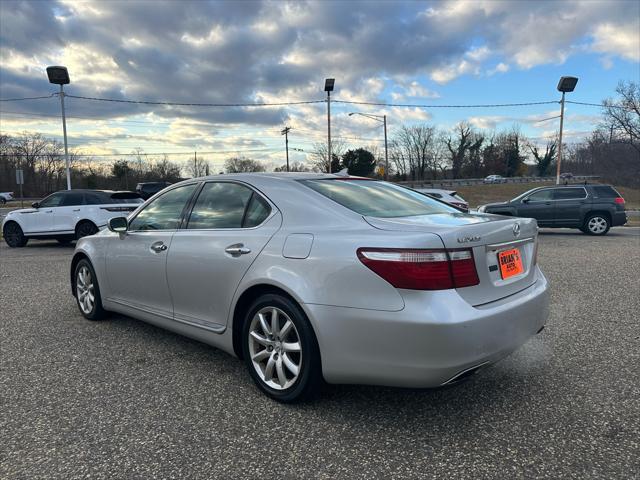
x=386, y=151
x=329, y=129
x=196, y=171
x=64, y=131
x=560, y=140
x=285, y=132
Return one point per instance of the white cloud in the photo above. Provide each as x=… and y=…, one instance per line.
x=622, y=40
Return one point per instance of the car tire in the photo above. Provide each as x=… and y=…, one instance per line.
x=596, y=224
x=85, y=228
x=13, y=235
x=3, y=200
x=281, y=352
x=87, y=291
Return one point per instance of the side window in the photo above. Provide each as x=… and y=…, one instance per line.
x=53, y=200
x=226, y=205
x=257, y=212
x=569, y=193
x=541, y=196
x=164, y=212
x=91, y=198
x=71, y=199
x=604, y=192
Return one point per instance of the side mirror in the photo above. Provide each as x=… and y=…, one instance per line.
x=35, y=205
x=118, y=224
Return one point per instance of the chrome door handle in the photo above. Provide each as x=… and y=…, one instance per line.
x=158, y=247
x=237, y=250
x=76, y=209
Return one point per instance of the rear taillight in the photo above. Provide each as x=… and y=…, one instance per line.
x=619, y=200
x=417, y=269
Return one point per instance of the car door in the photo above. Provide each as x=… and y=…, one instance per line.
x=39, y=221
x=569, y=202
x=229, y=225
x=136, y=261
x=66, y=215
x=538, y=205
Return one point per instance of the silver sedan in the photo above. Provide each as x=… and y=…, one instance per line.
x=318, y=277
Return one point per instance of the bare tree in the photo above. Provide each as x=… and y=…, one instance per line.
x=415, y=151
x=197, y=167
x=458, y=144
x=242, y=164
x=544, y=160
x=319, y=154
x=622, y=116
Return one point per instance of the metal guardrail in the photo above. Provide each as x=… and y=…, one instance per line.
x=450, y=182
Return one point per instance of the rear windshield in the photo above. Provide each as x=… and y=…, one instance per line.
x=377, y=199
x=604, y=191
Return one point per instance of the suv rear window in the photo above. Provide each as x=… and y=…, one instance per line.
x=604, y=191
x=377, y=199
x=569, y=193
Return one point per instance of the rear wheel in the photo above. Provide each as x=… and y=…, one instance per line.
x=85, y=228
x=280, y=349
x=87, y=291
x=596, y=224
x=14, y=236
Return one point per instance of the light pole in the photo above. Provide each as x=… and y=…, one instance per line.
x=566, y=84
x=382, y=119
x=60, y=76
x=328, y=87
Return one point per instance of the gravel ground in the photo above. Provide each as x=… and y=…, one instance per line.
x=122, y=399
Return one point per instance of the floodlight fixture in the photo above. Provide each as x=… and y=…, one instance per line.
x=58, y=75
x=567, y=84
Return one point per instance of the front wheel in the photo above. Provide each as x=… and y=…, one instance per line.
x=87, y=291
x=280, y=349
x=14, y=236
x=596, y=225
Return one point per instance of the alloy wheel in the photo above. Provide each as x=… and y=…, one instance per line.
x=85, y=229
x=85, y=290
x=597, y=225
x=13, y=234
x=275, y=348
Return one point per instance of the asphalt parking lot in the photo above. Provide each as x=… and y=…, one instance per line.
x=122, y=399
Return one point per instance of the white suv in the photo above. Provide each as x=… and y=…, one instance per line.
x=67, y=215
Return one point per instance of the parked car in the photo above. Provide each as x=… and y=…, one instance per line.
x=5, y=197
x=566, y=176
x=310, y=276
x=149, y=189
x=67, y=215
x=594, y=209
x=494, y=179
x=449, y=196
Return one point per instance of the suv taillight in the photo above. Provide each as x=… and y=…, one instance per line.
x=619, y=200
x=418, y=269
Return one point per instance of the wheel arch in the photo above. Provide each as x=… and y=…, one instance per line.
x=72, y=273
x=84, y=220
x=603, y=213
x=245, y=300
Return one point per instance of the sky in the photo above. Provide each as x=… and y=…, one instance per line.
x=428, y=53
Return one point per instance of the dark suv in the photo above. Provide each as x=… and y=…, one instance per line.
x=149, y=189
x=594, y=209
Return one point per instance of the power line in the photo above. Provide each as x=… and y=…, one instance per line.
x=144, y=154
x=178, y=104
x=488, y=105
x=26, y=98
x=601, y=105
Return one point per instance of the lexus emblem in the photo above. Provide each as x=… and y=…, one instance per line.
x=516, y=229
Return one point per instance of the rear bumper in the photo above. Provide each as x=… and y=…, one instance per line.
x=435, y=337
x=618, y=218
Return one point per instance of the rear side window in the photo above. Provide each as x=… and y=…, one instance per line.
x=569, y=193
x=165, y=212
x=94, y=198
x=377, y=199
x=604, y=191
x=227, y=205
x=125, y=197
x=72, y=199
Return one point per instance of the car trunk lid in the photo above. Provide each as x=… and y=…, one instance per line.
x=488, y=236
